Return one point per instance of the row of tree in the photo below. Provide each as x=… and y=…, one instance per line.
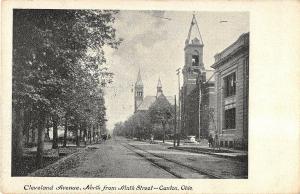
x=158, y=121
x=58, y=73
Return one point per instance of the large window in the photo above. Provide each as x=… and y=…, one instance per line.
x=230, y=118
x=230, y=85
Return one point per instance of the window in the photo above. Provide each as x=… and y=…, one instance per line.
x=230, y=85
x=139, y=93
x=195, y=60
x=230, y=118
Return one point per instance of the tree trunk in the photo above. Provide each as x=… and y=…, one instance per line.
x=41, y=135
x=84, y=135
x=27, y=122
x=90, y=134
x=17, y=136
x=33, y=134
x=55, y=136
x=164, y=131
x=81, y=132
x=66, y=131
x=47, y=137
x=27, y=134
x=77, y=136
x=93, y=128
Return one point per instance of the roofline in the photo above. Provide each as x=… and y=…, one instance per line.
x=239, y=44
x=190, y=30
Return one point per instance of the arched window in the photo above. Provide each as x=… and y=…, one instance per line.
x=195, y=58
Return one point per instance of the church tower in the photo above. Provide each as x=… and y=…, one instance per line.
x=138, y=92
x=193, y=66
x=193, y=57
x=159, y=88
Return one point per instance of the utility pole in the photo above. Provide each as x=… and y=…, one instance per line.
x=179, y=108
x=175, y=123
x=199, y=108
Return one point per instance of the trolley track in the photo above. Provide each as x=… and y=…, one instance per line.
x=152, y=161
x=155, y=158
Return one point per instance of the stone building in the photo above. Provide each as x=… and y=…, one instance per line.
x=198, y=85
x=143, y=104
x=232, y=83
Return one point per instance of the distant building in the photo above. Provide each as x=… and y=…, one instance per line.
x=138, y=92
x=143, y=104
x=198, y=85
x=232, y=83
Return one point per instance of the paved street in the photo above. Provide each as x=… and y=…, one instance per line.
x=123, y=158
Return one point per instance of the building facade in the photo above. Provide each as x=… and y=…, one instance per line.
x=232, y=91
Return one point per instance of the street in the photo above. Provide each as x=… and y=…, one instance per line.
x=124, y=158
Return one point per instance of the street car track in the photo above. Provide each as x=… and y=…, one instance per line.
x=201, y=172
x=151, y=161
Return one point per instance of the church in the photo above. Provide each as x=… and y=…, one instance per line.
x=197, y=95
x=143, y=104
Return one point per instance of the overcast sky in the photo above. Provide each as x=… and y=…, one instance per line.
x=155, y=45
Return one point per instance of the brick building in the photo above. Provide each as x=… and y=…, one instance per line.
x=232, y=85
x=198, y=85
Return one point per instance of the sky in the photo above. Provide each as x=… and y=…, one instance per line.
x=154, y=43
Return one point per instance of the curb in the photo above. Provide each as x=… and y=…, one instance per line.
x=238, y=157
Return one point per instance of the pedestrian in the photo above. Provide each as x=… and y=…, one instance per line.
x=216, y=142
x=152, y=139
x=210, y=140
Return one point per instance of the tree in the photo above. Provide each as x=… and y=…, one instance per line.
x=142, y=123
x=119, y=129
x=57, y=61
x=161, y=112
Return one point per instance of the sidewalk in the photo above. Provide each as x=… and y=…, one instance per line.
x=203, y=148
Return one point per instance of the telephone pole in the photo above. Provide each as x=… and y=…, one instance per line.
x=199, y=109
x=179, y=108
x=175, y=122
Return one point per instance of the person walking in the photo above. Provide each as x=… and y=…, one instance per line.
x=152, y=139
x=216, y=142
x=210, y=141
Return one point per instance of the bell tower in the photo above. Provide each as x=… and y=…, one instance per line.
x=193, y=57
x=138, y=92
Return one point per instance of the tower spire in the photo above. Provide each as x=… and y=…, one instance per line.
x=138, y=92
x=194, y=29
x=159, y=88
x=159, y=83
x=139, y=81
